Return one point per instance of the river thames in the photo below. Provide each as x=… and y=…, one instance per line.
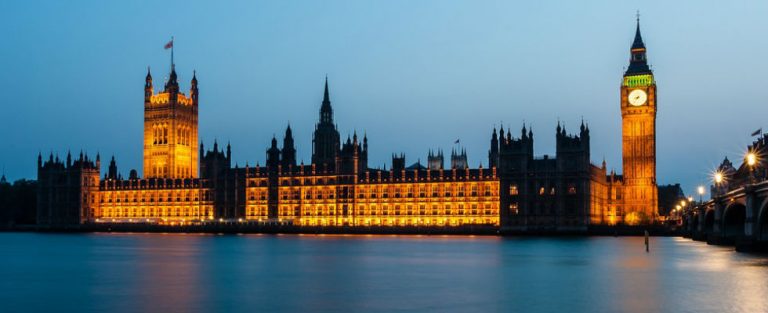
x=309, y=273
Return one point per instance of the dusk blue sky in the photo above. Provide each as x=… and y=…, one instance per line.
x=414, y=75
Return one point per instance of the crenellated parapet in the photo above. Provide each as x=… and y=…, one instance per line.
x=165, y=98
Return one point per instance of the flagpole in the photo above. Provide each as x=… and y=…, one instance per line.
x=172, y=65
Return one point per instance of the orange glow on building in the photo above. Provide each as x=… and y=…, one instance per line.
x=519, y=191
x=638, y=115
x=440, y=198
x=160, y=201
x=170, y=130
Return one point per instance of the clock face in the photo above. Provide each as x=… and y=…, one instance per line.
x=637, y=97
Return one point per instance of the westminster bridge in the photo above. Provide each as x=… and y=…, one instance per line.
x=737, y=213
x=737, y=217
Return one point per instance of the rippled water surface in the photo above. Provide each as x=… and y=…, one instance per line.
x=266, y=273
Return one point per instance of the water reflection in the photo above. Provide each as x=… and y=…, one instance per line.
x=246, y=273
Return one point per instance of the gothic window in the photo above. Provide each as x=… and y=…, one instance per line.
x=541, y=191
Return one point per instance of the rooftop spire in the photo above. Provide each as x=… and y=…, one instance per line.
x=638, y=43
x=326, y=98
x=638, y=62
x=326, y=112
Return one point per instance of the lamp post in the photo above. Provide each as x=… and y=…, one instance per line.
x=751, y=159
x=718, y=179
x=701, y=191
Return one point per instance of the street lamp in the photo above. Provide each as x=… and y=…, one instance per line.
x=701, y=191
x=751, y=159
x=718, y=177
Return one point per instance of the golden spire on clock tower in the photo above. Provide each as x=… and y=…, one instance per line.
x=638, y=115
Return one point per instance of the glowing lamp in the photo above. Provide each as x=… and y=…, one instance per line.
x=751, y=159
x=718, y=177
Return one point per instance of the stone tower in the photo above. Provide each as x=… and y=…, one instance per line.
x=638, y=115
x=170, y=130
x=325, y=140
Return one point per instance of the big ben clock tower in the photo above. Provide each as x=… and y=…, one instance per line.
x=638, y=116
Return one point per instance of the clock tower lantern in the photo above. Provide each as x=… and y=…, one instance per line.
x=638, y=116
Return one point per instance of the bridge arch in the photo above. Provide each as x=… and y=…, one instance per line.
x=709, y=222
x=734, y=217
x=686, y=223
x=762, y=222
x=693, y=222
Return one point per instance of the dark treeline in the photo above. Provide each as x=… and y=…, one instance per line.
x=17, y=203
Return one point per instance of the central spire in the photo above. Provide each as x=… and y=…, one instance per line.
x=326, y=112
x=326, y=98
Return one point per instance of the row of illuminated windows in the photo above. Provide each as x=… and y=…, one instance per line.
x=151, y=197
x=160, y=134
x=257, y=211
x=395, y=221
x=156, y=212
x=183, y=171
x=184, y=135
x=422, y=190
x=422, y=210
x=514, y=190
x=160, y=170
x=393, y=188
x=362, y=193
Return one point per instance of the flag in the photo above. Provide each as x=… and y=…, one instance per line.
x=757, y=132
x=457, y=141
x=169, y=45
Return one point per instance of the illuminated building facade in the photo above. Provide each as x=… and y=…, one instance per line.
x=518, y=191
x=638, y=116
x=170, y=130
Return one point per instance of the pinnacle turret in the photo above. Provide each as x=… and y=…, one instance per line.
x=638, y=62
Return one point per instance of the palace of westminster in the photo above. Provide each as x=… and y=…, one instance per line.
x=186, y=184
